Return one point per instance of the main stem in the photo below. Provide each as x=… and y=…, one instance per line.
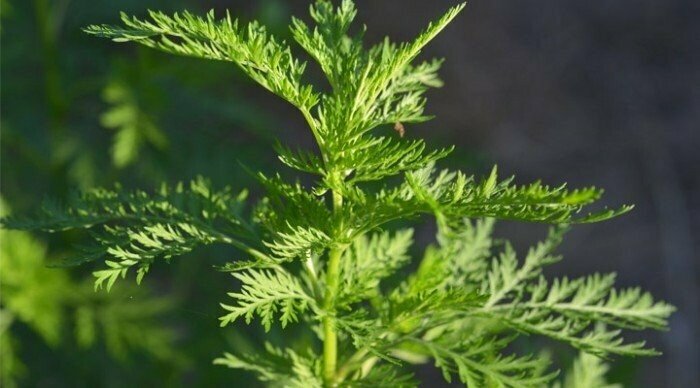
x=330, y=336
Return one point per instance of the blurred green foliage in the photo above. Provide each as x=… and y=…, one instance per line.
x=76, y=114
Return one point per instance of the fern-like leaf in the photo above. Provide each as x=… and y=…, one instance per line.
x=265, y=293
x=262, y=57
x=278, y=367
x=587, y=371
x=131, y=229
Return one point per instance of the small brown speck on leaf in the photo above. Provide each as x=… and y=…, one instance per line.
x=398, y=127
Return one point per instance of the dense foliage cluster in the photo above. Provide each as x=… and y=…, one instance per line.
x=328, y=256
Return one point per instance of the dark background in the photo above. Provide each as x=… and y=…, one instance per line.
x=600, y=93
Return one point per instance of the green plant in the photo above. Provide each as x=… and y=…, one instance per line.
x=49, y=301
x=326, y=255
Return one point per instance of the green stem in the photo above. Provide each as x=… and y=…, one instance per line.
x=330, y=336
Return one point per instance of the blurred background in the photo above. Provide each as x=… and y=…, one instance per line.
x=590, y=93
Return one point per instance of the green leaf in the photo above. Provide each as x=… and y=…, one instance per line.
x=132, y=229
x=454, y=195
x=32, y=293
x=278, y=366
x=477, y=363
x=371, y=259
x=265, y=293
x=262, y=57
x=572, y=311
x=133, y=125
x=588, y=371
